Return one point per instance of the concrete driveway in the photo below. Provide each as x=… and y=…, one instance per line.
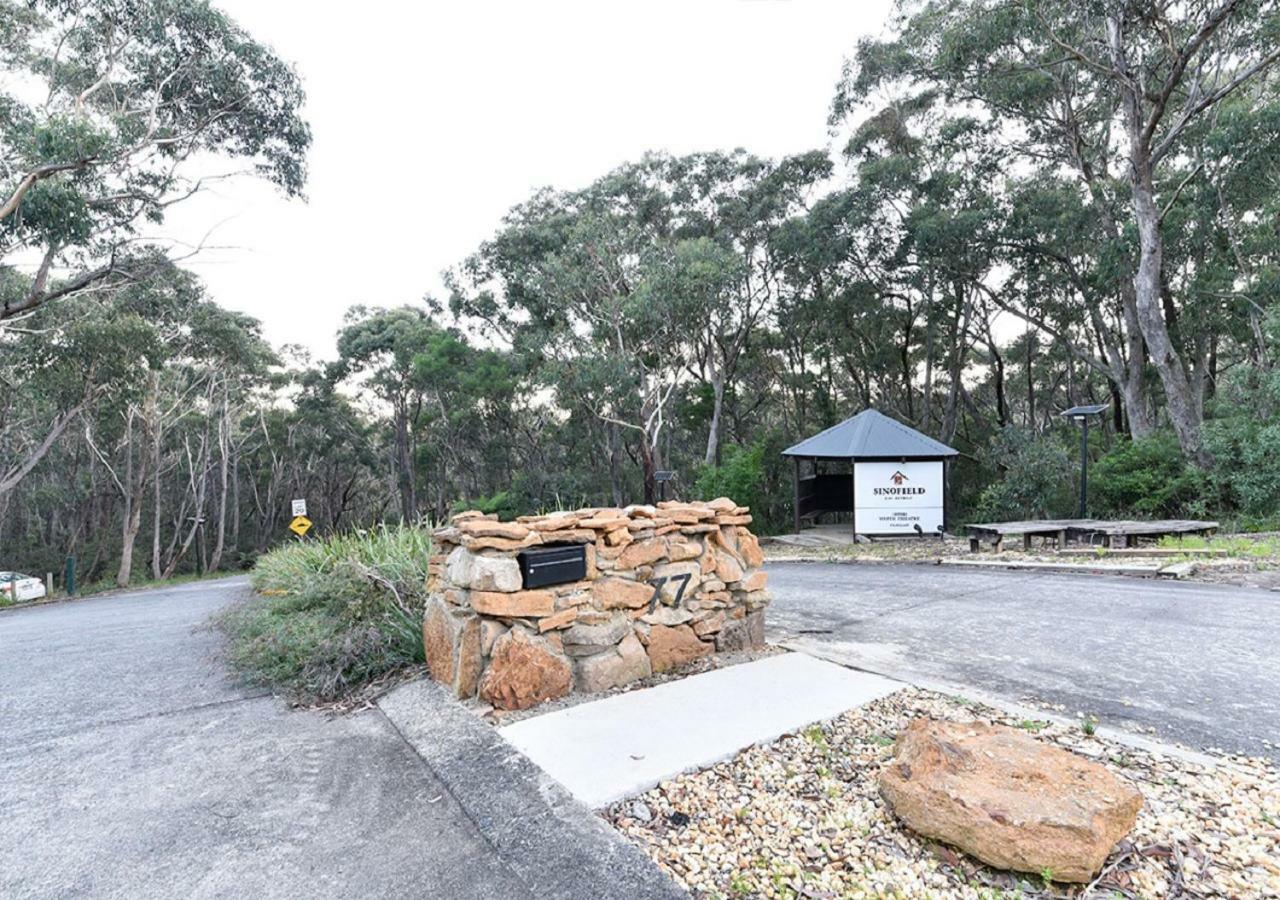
x=1198, y=663
x=132, y=765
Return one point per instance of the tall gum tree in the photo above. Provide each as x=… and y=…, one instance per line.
x=106, y=106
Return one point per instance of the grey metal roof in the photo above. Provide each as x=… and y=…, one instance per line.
x=870, y=435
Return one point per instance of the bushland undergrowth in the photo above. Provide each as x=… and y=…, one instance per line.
x=332, y=614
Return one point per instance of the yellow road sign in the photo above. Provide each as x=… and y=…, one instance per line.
x=300, y=525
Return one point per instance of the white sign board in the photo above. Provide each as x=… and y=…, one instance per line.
x=895, y=497
x=299, y=507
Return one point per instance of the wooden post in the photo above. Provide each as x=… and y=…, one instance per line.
x=796, y=460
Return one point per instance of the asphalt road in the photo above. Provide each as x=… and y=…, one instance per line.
x=1198, y=663
x=132, y=765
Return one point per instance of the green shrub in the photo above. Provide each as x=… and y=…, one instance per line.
x=1146, y=478
x=1035, y=478
x=1244, y=439
x=333, y=614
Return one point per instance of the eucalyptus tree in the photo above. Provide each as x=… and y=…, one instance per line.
x=115, y=110
x=1110, y=95
x=572, y=281
x=380, y=346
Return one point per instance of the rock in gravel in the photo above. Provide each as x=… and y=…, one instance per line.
x=640, y=811
x=1006, y=798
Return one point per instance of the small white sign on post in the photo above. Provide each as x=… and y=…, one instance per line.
x=299, y=507
x=898, y=498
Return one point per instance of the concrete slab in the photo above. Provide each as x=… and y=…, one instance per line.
x=621, y=745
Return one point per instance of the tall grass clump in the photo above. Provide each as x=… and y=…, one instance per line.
x=334, y=613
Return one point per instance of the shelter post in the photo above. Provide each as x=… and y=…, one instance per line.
x=796, y=460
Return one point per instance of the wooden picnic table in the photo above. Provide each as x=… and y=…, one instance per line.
x=1115, y=533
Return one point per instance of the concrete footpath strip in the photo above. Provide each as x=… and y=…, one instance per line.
x=554, y=844
x=608, y=749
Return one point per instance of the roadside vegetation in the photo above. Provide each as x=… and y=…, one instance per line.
x=332, y=615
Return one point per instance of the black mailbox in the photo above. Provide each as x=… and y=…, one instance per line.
x=555, y=564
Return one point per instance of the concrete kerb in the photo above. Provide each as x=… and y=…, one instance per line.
x=554, y=844
x=1022, y=710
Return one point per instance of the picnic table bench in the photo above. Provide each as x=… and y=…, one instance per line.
x=1114, y=533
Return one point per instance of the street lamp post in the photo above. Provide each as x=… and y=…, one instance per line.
x=1081, y=415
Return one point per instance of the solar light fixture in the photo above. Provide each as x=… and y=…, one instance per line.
x=1081, y=415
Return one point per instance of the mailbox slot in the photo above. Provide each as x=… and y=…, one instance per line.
x=553, y=564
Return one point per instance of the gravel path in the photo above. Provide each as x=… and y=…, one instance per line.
x=803, y=817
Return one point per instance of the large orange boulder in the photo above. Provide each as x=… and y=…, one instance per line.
x=672, y=646
x=525, y=670
x=1008, y=799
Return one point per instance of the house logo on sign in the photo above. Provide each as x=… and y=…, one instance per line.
x=898, y=478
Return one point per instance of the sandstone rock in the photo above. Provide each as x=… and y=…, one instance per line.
x=621, y=665
x=618, y=537
x=456, y=597
x=733, y=520
x=666, y=529
x=641, y=511
x=728, y=569
x=722, y=505
x=727, y=540
x=451, y=644
x=750, y=547
x=586, y=640
x=678, y=551
x=1008, y=799
x=674, y=646
x=755, y=581
x=756, y=600
x=472, y=514
x=572, y=536
x=446, y=535
x=458, y=566
x=490, y=631
x=513, y=531
x=681, y=580
x=504, y=544
x=553, y=522
x=708, y=623
x=619, y=593
x=525, y=670
x=562, y=619
x=707, y=561
x=744, y=633
x=470, y=660
x=701, y=528
x=642, y=553
x=666, y=615
x=492, y=573
x=517, y=603
x=438, y=634
x=603, y=522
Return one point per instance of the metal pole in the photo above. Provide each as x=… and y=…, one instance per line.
x=1084, y=466
x=796, y=460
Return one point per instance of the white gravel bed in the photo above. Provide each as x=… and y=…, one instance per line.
x=803, y=817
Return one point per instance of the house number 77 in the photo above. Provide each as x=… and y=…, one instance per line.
x=657, y=583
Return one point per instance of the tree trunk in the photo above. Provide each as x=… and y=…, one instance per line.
x=224, y=451
x=712, y=456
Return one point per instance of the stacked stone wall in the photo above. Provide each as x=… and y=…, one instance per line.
x=664, y=585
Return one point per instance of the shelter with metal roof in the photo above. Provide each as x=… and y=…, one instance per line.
x=895, y=483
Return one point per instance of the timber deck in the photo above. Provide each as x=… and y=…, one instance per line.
x=1094, y=532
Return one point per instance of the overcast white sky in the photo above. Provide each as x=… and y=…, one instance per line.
x=432, y=119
